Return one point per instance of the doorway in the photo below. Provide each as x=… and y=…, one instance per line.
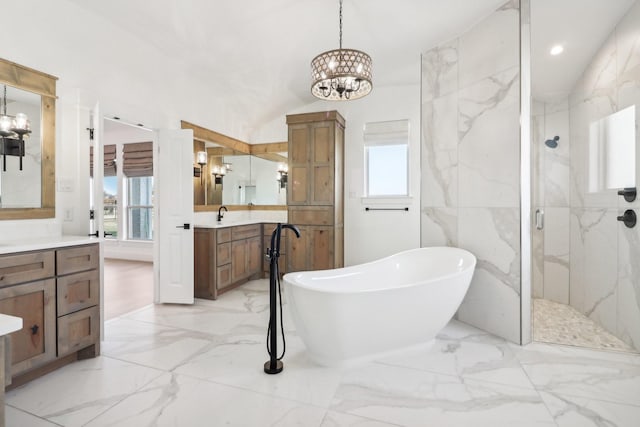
x=125, y=221
x=585, y=275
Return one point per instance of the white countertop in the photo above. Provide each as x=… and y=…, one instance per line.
x=9, y=324
x=38, y=243
x=233, y=223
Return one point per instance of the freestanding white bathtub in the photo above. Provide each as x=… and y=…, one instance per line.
x=353, y=314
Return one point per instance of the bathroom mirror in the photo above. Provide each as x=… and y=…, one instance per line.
x=20, y=184
x=253, y=180
x=28, y=193
x=253, y=174
x=612, y=151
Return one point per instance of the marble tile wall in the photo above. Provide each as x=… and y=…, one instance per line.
x=605, y=255
x=470, y=163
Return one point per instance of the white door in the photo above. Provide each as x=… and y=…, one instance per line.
x=96, y=198
x=173, y=242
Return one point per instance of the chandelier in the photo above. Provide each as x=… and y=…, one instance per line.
x=341, y=74
x=12, y=131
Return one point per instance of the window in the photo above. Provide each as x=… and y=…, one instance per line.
x=127, y=190
x=140, y=208
x=386, y=149
x=137, y=167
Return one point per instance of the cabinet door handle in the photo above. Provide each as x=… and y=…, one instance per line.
x=34, y=329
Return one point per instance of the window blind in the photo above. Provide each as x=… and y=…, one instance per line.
x=137, y=159
x=386, y=133
x=109, y=160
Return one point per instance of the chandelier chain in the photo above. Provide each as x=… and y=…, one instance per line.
x=340, y=24
x=5, y=101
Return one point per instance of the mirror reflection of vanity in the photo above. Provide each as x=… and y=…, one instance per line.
x=28, y=193
x=236, y=174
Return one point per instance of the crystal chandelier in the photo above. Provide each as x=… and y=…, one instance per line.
x=13, y=130
x=341, y=74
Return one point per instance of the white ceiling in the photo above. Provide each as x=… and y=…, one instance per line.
x=582, y=27
x=255, y=54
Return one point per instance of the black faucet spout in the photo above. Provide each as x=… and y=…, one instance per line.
x=220, y=216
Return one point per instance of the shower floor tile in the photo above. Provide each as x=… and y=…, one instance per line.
x=562, y=324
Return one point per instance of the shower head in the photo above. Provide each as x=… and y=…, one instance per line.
x=552, y=143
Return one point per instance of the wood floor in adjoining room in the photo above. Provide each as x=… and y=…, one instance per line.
x=128, y=286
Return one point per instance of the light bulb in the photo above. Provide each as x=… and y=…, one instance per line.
x=22, y=122
x=556, y=50
x=202, y=157
x=5, y=125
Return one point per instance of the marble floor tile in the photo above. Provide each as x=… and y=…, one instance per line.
x=337, y=419
x=76, y=393
x=570, y=411
x=414, y=398
x=14, y=417
x=178, y=400
x=239, y=361
x=203, y=365
x=152, y=345
x=606, y=376
x=476, y=356
x=201, y=317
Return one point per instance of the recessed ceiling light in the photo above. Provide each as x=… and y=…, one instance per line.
x=556, y=50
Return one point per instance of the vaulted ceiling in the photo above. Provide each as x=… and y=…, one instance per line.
x=247, y=61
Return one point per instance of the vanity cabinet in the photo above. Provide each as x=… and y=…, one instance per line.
x=315, y=191
x=57, y=294
x=225, y=258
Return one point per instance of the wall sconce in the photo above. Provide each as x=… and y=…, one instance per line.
x=228, y=167
x=13, y=130
x=201, y=159
x=218, y=172
x=283, y=173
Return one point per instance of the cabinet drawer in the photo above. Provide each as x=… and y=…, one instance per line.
x=78, y=330
x=223, y=254
x=35, y=343
x=223, y=274
x=223, y=235
x=311, y=216
x=26, y=267
x=245, y=231
x=78, y=291
x=75, y=259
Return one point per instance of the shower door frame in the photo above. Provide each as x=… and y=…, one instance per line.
x=525, y=174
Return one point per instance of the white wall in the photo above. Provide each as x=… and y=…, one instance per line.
x=97, y=60
x=371, y=235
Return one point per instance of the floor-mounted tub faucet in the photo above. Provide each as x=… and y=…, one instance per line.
x=220, y=216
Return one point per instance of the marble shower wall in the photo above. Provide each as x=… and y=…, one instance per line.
x=605, y=255
x=470, y=163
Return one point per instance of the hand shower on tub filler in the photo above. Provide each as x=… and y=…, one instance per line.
x=274, y=364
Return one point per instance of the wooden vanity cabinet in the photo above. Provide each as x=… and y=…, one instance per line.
x=78, y=298
x=225, y=258
x=57, y=294
x=315, y=191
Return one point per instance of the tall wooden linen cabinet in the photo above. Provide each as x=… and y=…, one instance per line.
x=315, y=191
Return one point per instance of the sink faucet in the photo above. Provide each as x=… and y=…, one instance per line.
x=220, y=216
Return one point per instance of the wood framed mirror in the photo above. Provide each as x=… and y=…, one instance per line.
x=253, y=182
x=25, y=79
